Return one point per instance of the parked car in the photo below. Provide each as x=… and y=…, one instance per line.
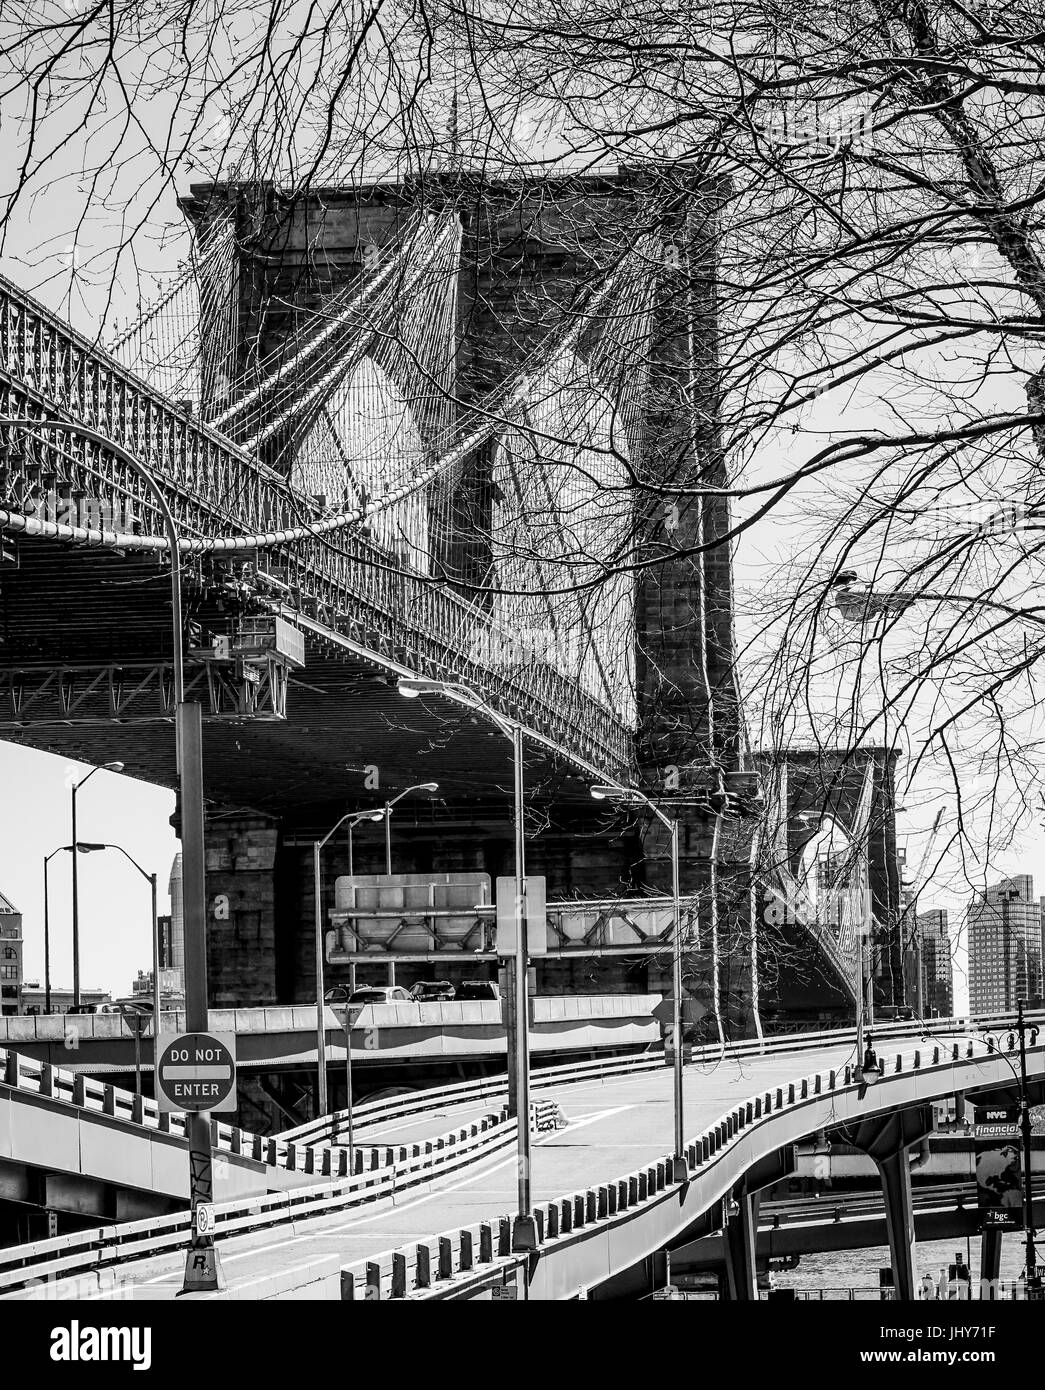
x=380, y=994
x=478, y=989
x=430, y=991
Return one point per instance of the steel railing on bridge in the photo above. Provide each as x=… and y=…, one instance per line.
x=340, y=583
x=455, y=1264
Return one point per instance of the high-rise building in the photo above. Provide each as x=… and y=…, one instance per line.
x=10, y=957
x=1004, y=935
x=935, y=952
x=173, y=939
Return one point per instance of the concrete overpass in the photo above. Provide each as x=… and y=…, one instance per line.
x=275, y=1037
x=393, y=1045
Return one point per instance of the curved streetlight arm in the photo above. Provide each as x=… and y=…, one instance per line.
x=352, y=818
x=355, y=817
x=147, y=876
x=875, y=602
x=84, y=780
x=418, y=787
x=632, y=796
x=468, y=697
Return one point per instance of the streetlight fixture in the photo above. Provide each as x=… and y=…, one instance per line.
x=375, y=815
x=419, y=787
x=630, y=796
x=82, y=848
x=150, y=879
x=859, y=602
x=105, y=767
x=524, y=1235
x=202, y=1270
x=869, y=1069
x=353, y=818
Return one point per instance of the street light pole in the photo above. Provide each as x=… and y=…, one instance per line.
x=321, y=1032
x=152, y=882
x=202, y=1271
x=420, y=787
x=62, y=849
x=107, y=767
x=524, y=1237
x=353, y=818
x=524, y=1233
x=676, y=986
x=631, y=795
x=47, y=933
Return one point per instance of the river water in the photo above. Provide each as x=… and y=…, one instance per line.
x=858, y=1269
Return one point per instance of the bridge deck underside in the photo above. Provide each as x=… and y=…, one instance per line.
x=62, y=607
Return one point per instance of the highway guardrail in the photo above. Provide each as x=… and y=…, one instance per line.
x=402, y=1167
x=454, y=1265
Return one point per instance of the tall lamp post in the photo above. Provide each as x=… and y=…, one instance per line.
x=150, y=879
x=62, y=849
x=105, y=767
x=630, y=796
x=420, y=787
x=202, y=1270
x=353, y=818
x=524, y=1235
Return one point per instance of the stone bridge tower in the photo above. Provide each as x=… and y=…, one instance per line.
x=529, y=249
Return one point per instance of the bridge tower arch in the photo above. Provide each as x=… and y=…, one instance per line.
x=530, y=250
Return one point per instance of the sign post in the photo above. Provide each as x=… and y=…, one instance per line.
x=136, y=1021
x=349, y=1017
x=196, y=1073
x=998, y=1177
x=535, y=911
x=691, y=1013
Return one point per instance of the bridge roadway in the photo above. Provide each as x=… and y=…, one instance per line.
x=284, y=1037
x=615, y=1126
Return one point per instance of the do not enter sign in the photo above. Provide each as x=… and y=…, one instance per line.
x=197, y=1071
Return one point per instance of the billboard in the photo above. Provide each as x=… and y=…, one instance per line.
x=999, y=1177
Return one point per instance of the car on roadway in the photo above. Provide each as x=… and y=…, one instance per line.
x=337, y=994
x=140, y=1003
x=478, y=989
x=380, y=994
x=432, y=991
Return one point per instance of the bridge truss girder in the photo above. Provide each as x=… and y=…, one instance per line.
x=140, y=692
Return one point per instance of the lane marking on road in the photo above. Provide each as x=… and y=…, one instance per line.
x=396, y=1211
x=370, y=1220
